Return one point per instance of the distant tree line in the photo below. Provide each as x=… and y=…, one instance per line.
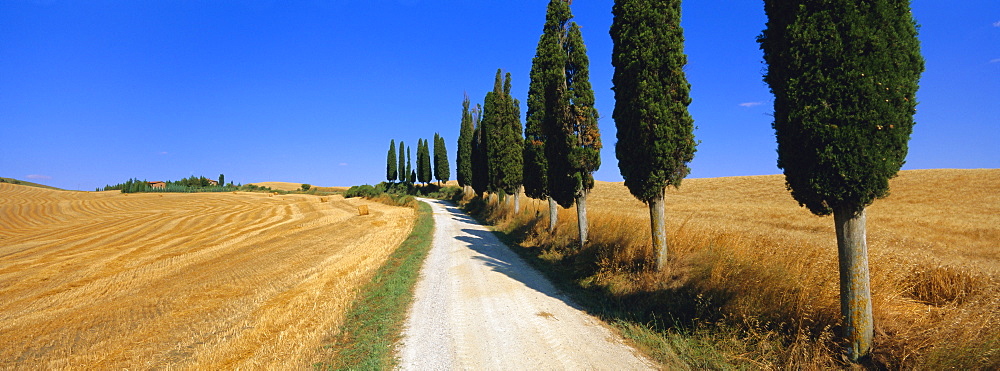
x=185, y=185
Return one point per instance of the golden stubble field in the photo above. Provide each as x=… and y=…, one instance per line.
x=207, y=280
x=761, y=261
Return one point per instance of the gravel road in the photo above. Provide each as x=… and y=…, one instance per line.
x=478, y=306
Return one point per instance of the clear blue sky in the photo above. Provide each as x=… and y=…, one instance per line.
x=94, y=92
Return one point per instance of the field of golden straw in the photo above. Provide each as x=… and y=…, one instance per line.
x=934, y=253
x=206, y=280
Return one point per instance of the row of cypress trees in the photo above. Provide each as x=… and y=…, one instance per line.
x=844, y=75
x=560, y=147
x=398, y=168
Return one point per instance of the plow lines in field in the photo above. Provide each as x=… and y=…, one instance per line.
x=183, y=280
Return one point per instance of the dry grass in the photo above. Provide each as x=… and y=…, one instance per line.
x=205, y=281
x=748, y=259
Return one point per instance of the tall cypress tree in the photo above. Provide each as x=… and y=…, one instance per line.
x=442, y=169
x=490, y=131
x=463, y=161
x=401, y=167
x=390, y=162
x=844, y=77
x=509, y=146
x=410, y=173
x=569, y=123
x=655, y=130
x=424, y=162
x=420, y=157
x=479, y=167
x=580, y=130
x=546, y=67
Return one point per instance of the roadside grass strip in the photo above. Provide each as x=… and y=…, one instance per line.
x=375, y=321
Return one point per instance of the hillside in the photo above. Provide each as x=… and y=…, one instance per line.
x=22, y=182
x=289, y=186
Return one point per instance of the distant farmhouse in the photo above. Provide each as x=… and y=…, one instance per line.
x=158, y=184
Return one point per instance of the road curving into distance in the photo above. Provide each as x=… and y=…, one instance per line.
x=479, y=306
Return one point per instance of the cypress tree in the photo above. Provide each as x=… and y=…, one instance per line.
x=479, y=169
x=390, y=163
x=401, y=167
x=655, y=130
x=581, y=131
x=844, y=76
x=222, y=180
x=442, y=169
x=424, y=162
x=502, y=130
x=546, y=67
x=489, y=131
x=420, y=157
x=512, y=139
x=463, y=161
x=569, y=123
x=410, y=173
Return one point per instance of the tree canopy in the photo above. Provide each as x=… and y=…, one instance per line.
x=652, y=94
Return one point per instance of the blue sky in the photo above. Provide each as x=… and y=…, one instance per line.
x=95, y=92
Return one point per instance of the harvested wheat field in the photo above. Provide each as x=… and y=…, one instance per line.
x=946, y=216
x=206, y=280
x=288, y=186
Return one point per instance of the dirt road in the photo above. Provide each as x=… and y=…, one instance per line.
x=104, y=280
x=479, y=306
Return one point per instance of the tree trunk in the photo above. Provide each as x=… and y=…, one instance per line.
x=517, y=200
x=658, y=225
x=581, y=216
x=553, y=214
x=855, y=292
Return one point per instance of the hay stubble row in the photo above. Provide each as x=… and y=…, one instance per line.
x=212, y=280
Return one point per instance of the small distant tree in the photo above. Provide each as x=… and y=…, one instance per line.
x=305, y=187
x=410, y=172
x=442, y=169
x=844, y=77
x=401, y=167
x=420, y=158
x=222, y=180
x=425, y=172
x=463, y=161
x=655, y=130
x=390, y=162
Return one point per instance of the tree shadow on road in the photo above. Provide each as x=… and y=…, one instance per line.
x=498, y=257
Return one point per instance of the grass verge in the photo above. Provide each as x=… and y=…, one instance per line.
x=373, y=324
x=747, y=301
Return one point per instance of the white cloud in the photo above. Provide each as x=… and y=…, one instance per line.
x=38, y=177
x=996, y=24
x=997, y=60
x=750, y=104
x=343, y=164
x=163, y=153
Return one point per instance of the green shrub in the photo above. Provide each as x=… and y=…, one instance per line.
x=365, y=191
